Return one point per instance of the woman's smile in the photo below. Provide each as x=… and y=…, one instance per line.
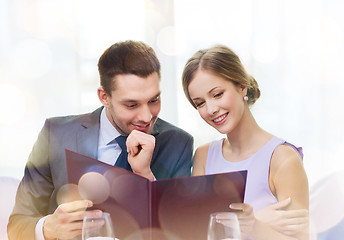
x=220, y=119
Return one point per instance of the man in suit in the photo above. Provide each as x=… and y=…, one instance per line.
x=130, y=93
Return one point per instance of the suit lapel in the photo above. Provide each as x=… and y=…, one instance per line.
x=87, y=138
x=155, y=133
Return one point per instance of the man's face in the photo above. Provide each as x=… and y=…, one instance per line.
x=134, y=104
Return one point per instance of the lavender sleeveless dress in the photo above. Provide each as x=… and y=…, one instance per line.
x=258, y=193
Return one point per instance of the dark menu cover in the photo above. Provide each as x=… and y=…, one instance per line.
x=173, y=209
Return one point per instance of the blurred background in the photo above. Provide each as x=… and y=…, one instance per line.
x=294, y=48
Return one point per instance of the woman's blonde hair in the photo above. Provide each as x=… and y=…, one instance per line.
x=223, y=62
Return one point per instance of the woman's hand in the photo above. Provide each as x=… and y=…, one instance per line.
x=246, y=218
x=288, y=222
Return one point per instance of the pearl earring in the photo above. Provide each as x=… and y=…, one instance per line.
x=246, y=98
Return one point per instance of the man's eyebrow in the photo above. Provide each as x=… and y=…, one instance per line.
x=129, y=101
x=158, y=95
x=135, y=101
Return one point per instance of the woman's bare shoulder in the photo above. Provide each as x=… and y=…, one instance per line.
x=200, y=159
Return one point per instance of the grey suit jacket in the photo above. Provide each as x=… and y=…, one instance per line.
x=45, y=171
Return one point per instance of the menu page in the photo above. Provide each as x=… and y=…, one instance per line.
x=177, y=208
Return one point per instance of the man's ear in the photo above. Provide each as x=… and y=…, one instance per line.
x=103, y=97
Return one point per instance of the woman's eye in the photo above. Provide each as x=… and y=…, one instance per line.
x=218, y=94
x=199, y=104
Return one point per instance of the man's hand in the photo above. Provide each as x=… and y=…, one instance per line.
x=288, y=222
x=140, y=147
x=66, y=221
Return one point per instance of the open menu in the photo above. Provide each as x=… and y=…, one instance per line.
x=176, y=208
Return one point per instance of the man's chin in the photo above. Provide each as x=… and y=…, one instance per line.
x=147, y=130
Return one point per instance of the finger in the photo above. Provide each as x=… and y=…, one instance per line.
x=225, y=222
x=243, y=211
x=244, y=207
x=299, y=213
x=296, y=221
x=80, y=205
x=133, y=150
x=298, y=227
x=79, y=216
x=133, y=146
x=137, y=138
x=281, y=204
x=294, y=229
x=94, y=224
x=236, y=206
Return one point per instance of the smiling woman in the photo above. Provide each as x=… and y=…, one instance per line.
x=218, y=86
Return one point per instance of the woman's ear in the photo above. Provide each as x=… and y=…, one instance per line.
x=103, y=97
x=243, y=90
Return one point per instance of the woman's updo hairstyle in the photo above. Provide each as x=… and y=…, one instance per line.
x=223, y=62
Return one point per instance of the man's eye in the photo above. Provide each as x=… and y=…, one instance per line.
x=155, y=100
x=131, y=105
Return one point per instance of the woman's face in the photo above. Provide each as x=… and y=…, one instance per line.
x=219, y=102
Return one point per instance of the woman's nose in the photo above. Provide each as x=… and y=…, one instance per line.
x=212, y=108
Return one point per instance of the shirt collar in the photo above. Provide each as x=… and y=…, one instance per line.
x=107, y=131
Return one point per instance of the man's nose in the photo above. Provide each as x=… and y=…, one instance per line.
x=145, y=114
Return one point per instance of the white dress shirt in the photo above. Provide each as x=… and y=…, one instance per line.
x=108, y=148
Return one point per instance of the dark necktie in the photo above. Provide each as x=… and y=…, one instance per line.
x=122, y=160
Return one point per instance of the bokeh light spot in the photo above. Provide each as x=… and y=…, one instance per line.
x=68, y=193
x=94, y=186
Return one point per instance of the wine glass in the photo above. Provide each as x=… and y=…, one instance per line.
x=224, y=226
x=98, y=228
